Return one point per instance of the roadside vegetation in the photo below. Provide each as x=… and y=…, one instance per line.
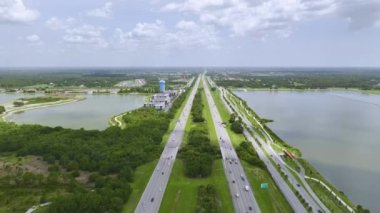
x=326, y=196
x=2, y=109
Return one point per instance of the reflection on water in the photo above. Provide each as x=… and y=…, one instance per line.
x=92, y=113
x=338, y=132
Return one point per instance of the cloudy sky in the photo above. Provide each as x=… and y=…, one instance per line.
x=189, y=33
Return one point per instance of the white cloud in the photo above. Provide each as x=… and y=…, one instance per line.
x=33, y=38
x=78, y=33
x=185, y=35
x=360, y=14
x=104, y=12
x=196, y=5
x=16, y=11
x=260, y=18
x=55, y=23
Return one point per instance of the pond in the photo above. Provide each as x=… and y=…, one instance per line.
x=338, y=132
x=92, y=113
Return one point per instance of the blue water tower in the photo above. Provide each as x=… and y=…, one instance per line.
x=162, y=86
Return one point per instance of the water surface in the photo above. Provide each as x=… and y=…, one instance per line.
x=338, y=132
x=92, y=113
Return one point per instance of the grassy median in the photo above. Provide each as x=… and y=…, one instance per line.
x=182, y=192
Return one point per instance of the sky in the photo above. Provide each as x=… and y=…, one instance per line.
x=268, y=33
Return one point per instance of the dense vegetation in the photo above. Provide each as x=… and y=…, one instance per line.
x=197, y=108
x=237, y=127
x=111, y=156
x=246, y=152
x=37, y=100
x=94, y=78
x=198, y=154
x=207, y=199
x=299, y=79
x=2, y=109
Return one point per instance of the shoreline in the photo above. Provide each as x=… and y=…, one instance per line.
x=10, y=110
x=356, y=90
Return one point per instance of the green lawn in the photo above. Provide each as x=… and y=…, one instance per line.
x=209, y=122
x=181, y=192
x=322, y=193
x=141, y=179
x=269, y=200
x=236, y=139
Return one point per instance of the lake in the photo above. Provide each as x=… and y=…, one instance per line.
x=338, y=132
x=92, y=113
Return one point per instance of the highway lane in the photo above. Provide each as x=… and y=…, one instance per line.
x=243, y=199
x=150, y=200
x=307, y=193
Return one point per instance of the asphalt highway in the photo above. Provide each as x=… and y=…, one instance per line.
x=150, y=200
x=310, y=197
x=240, y=189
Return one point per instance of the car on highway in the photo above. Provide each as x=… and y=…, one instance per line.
x=246, y=188
x=233, y=181
x=250, y=208
x=237, y=195
x=151, y=200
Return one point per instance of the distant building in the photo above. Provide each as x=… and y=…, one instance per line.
x=159, y=101
x=162, y=86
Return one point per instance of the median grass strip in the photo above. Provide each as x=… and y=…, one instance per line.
x=182, y=192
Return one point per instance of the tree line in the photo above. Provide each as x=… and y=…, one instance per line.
x=198, y=154
x=197, y=108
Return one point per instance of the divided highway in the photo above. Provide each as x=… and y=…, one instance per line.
x=150, y=200
x=241, y=192
x=312, y=199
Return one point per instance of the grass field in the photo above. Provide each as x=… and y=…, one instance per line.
x=181, y=192
x=322, y=193
x=269, y=200
x=236, y=139
x=141, y=179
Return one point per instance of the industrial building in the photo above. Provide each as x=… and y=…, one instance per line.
x=162, y=100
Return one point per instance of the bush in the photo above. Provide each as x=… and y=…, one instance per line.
x=198, y=154
x=207, y=200
x=197, y=108
x=246, y=152
x=237, y=127
x=2, y=109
